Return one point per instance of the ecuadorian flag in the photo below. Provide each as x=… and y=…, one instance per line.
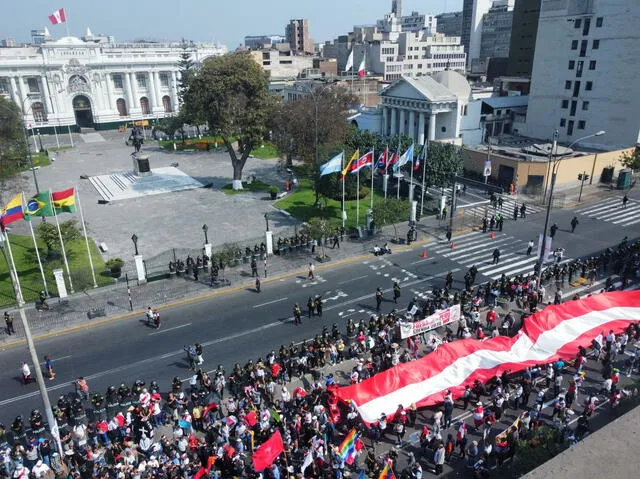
x=12, y=212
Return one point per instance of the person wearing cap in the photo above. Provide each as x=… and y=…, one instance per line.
x=20, y=472
x=40, y=470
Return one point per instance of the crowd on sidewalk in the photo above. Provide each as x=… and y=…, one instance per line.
x=213, y=424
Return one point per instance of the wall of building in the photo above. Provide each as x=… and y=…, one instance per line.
x=449, y=24
x=472, y=13
x=470, y=127
x=606, y=79
x=496, y=32
x=524, y=30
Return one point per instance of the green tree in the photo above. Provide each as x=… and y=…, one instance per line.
x=443, y=162
x=170, y=125
x=48, y=233
x=186, y=66
x=230, y=93
x=389, y=212
x=13, y=150
x=320, y=229
x=631, y=159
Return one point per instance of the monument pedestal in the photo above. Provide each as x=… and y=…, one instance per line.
x=141, y=165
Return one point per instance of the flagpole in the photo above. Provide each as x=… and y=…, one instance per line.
x=411, y=179
x=64, y=254
x=13, y=265
x=373, y=161
x=86, y=239
x=364, y=80
x=425, y=151
x=35, y=244
x=343, y=190
x=397, y=168
x=386, y=166
x=358, y=197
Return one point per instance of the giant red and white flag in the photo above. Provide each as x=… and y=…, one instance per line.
x=555, y=332
x=58, y=16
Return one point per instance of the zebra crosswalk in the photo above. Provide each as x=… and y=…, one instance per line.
x=477, y=249
x=475, y=206
x=611, y=210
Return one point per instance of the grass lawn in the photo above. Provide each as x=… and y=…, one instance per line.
x=256, y=185
x=40, y=159
x=266, y=151
x=64, y=147
x=300, y=205
x=29, y=273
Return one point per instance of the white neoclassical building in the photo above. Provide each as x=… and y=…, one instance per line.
x=87, y=84
x=425, y=108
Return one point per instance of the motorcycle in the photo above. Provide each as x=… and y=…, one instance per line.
x=153, y=319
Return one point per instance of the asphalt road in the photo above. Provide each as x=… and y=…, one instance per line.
x=236, y=327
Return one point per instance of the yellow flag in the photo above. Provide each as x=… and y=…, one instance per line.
x=355, y=156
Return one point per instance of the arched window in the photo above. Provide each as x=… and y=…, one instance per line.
x=166, y=102
x=39, y=113
x=144, y=105
x=121, y=105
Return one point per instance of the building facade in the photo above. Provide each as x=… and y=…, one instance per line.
x=94, y=85
x=585, y=73
x=472, y=14
x=496, y=31
x=524, y=30
x=449, y=24
x=256, y=42
x=297, y=34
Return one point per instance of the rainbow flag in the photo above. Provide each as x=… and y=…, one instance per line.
x=348, y=449
x=12, y=212
x=387, y=472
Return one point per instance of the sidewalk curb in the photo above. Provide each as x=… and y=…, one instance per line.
x=235, y=289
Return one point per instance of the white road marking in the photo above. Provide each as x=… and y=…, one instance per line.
x=170, y=329
x=270, y=302
x=353, y=279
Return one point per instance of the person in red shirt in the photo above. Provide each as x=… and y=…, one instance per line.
x=492, y=317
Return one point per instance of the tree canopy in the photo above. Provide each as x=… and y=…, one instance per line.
x=13, y=150
x=443, y=162
x=230, y=93
x=631, y=159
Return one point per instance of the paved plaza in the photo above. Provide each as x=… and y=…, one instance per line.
x=161, y=221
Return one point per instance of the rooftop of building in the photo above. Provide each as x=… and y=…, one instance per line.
x=529, y=149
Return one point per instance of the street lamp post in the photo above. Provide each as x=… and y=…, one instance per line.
x=134, y=238
x=53, y=425
x=266, y=218
x=554, y=171
x=205, y=228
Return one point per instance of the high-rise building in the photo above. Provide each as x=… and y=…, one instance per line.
x=524, y=29
x=472, y=13
x=449, y=24
x=496, y=31
x=396, y=7
x=585, y=73
x=297, y=34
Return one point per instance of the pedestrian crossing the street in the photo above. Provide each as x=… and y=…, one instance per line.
x=475, y=205
x=477, y=249
x=611, y=210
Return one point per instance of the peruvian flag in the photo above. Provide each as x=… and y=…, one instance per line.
x=362, y=162
x=361, y=71
x=553, y=333
x=58, y=16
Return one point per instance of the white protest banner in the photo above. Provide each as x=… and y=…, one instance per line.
x=434, y=321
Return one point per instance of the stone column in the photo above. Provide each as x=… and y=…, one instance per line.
x=402, y=119
x=394, y=122
x=432, y=127
x=153, y=101
x=129, y=93
x=47, y=94
x=14, y=90
x=109, y=80
x=412, y=124
x=174, y=91
x=21, y=92
x=421, y=128
x=134, y=92
x=385, y=118
x=158, y=92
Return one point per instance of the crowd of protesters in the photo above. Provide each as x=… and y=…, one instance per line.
x=209, y=425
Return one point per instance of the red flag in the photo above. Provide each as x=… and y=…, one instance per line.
x=555, y=332
x=391, y=161
x=252, y=418
x=364, y=161
x=264, y=456
x=58, y=16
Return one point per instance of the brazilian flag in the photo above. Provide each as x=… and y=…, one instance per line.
x=39, y=205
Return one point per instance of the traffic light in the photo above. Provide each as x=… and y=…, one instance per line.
x=586, y=177
x=580, y=177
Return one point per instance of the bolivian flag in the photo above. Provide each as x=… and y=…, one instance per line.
x=64, y=201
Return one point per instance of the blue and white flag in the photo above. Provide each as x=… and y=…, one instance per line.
x=407, y=157
x=334, y=165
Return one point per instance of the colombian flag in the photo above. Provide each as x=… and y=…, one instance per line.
x=387, y=472
x=64, y=201
x=12, y=212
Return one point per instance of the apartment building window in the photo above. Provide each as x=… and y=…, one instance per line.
x=579, y=70
x=576, y=88
x=588, y=86
x=592, y=65
x=581, y=124
x=574, y=44
x=574, y=106
x=563, y=122
x=577, y=23
x=141, y=78
x=567, y=85
x=117, y=82
x=585, y=28
x=599, y=21
x=570, y=128
x=596, y=44
x=585, y=105
x=583, y=48
x=565, y=104
x=572, y=64
x=33, y=85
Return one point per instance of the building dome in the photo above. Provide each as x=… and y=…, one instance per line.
x=68, y=41
x=455, y=83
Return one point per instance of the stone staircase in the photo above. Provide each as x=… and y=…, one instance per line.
x=110, y=186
